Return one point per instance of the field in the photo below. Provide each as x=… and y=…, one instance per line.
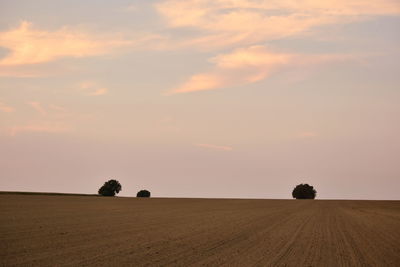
x=57, y=230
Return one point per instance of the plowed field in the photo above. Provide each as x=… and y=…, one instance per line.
x=40, y=230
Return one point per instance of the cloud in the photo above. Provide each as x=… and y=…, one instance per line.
x=18, y=72
x=100, y=91
x=38, y=107
x=6, y=108
x=222, y=23
x=57, y=108
x=49, y=110
x=54, y=119
x=219, y=24
x=242, y=66
x=39, y=127
x=131, y=7
x=201, y=82
x=252, y=64
x=91, y=88
x=307, y=134
x=87, y=84
x=27, y=45
x=215, y=147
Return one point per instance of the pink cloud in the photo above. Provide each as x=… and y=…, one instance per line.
x=39, y=127
x=18, y=72
x=215, y=147
x=57, y=108
x=38, y=107
x=249, y=65
x=91, y=88
x=100, y=91
x=244, y=22
x=6, y=108
x=31, y=46
x=307, y=134
x=242, y=66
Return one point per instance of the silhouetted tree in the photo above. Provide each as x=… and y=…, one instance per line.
x=143, y=193
x=304, y=191
x=110, y=188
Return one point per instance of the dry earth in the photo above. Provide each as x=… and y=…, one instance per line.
x=40, y=230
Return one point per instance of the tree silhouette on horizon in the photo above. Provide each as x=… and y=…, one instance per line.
x=304, y=191
x=110, y=188
x=143, y=193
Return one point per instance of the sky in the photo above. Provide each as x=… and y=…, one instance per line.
x=201, y=98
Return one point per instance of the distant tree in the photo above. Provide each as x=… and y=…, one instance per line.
x=304, y=191
x=143, y=193
x=110, y=188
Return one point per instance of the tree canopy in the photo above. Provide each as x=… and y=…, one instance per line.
x=110, y=188
x=143, y=193
x=304, y=191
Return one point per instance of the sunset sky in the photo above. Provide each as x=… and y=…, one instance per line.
x=201, y=98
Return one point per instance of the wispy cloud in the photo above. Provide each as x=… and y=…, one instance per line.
x=19, y=71
x=53, y=119
x=249, y=65
x=6, y=108
x=215, y=147
x=38, y=107
x=245, y=22
x=91, y=88
x=131, y=7
x=242, y=66
x=307, y=134
x=221, y=24
x=49, y=110
x=28, y=45
x=58, y=108
x=39, y=127
x=100, y=91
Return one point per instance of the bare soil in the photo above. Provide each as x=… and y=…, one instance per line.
x=51, y=230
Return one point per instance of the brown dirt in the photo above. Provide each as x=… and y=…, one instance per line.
x=98, y=231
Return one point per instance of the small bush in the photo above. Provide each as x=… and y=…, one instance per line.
x=304, y=191
x=110, y=188
x=143, y=193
